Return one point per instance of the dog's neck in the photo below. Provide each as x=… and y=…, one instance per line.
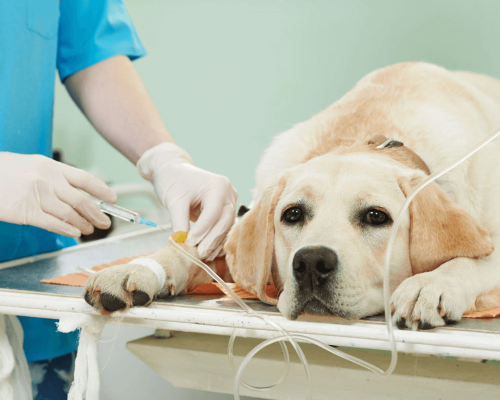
x=397, y=151
x=393, y=149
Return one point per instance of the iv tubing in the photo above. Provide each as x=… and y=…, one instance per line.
x=431, y=178
x=252, y=313
x=285, y=336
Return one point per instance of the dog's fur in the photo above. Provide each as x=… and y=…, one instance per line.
x=443, y=263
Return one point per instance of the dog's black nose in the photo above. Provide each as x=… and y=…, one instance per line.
x=315, y=263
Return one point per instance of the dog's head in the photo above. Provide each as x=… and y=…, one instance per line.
x=320, y=234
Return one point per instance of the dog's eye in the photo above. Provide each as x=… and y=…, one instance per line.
x=376, y=217
x=293, y=215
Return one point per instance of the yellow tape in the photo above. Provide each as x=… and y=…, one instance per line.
x=180, y=237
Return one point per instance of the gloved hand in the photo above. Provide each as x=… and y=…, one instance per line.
x=191, y=193
x=36, y=190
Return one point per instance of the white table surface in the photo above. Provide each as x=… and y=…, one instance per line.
x=21, y=293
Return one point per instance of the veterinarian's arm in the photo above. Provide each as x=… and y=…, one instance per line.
x=113, y=97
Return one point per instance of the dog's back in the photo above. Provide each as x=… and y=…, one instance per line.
x=486, y=85
x=437, y=113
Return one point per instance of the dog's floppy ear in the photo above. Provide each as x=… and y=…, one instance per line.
x=439, y=229
x=250, y=244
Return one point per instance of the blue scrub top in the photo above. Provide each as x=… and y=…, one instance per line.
x=36, y=38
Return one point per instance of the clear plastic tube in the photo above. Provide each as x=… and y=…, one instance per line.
x=294, y=338
x=250, y=312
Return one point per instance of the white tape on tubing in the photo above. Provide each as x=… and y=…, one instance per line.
x=153, y=266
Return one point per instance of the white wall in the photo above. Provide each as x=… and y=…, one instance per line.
x=227, y=75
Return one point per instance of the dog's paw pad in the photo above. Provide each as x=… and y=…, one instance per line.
x=112, y=303
x=139, y=298
x=120, y=287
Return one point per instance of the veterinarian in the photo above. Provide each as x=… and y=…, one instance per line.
x=91, y=43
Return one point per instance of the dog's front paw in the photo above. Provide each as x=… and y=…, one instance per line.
x=121, y=286
x=428, y=300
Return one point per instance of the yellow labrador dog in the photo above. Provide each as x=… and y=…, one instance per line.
x=327, y=192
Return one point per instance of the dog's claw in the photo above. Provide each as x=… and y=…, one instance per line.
x=88, y=298
x=449, y=321
x=401, y=323
x=425, y=326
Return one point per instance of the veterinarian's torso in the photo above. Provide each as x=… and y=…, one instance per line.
x=36, y=37
x=28, y=37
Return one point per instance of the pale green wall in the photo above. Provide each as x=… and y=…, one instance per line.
x=228, y=75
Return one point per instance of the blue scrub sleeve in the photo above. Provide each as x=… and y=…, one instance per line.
x=91, y=31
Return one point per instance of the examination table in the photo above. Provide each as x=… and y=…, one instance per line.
x=189, y=348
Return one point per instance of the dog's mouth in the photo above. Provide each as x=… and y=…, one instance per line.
x=316, y=307
x=311, y=306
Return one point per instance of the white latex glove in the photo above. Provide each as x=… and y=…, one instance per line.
x=38, y=191
x=186, y=190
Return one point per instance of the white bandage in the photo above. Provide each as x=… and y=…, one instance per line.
x=153, y=266
x=86, y=379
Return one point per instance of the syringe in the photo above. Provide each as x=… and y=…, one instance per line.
x=122, y=213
